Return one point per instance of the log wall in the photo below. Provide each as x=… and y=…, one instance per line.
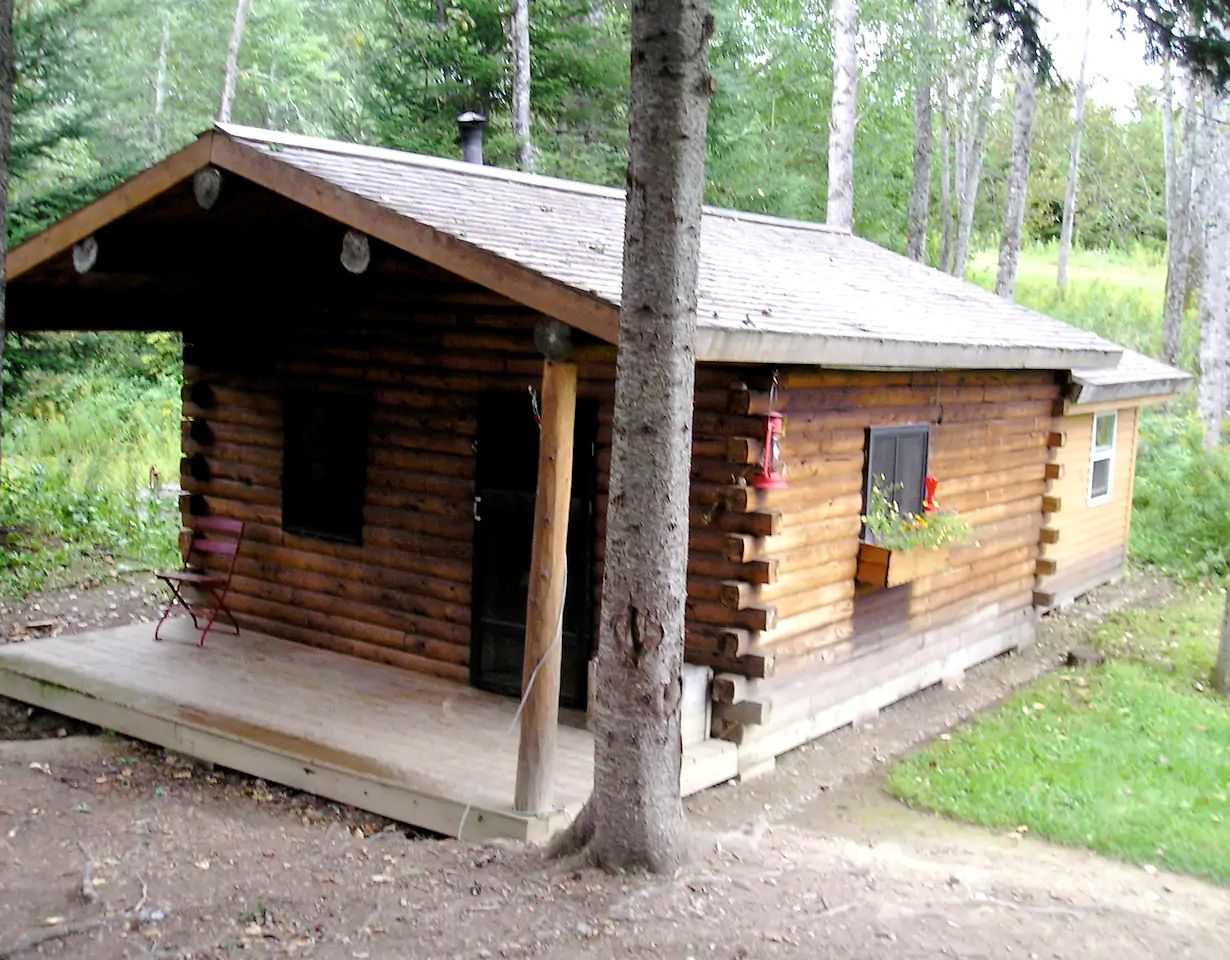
x=831, y=649
x=1083, y=545
x=403, y=596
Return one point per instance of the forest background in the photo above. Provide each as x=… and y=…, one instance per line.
x=106, y=87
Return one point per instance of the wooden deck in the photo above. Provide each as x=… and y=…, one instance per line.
x=427, y=752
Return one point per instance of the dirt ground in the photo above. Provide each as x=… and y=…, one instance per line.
x=134, y=853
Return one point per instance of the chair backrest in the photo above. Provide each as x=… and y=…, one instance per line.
x=217, y=536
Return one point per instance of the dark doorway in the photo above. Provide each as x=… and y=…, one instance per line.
x=506, y=483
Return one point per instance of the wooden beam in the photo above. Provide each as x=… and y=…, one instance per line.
x=576, y=308
x=1054, y=471
x=1048, y=535
x=545, y=607
x=111, y=206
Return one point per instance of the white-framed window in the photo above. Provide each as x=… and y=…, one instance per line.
x=1102, y=457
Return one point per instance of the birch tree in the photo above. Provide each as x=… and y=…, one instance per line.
x=634, y=818
x=1211, y=394
x=843, y=16
x=1074, y=160
x=231, y=74
x=920, y=195
x=970, y=150
x=1180, y=163
x=1018, y=179
x=520, y=32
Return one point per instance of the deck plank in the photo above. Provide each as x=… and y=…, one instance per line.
x=419, y=749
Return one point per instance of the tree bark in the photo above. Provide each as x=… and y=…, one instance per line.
x=1018, y=181
x=7, y=70
x=1180, y=157
x=520, y=33
x=1221, y=669
x=969, y=173
x=1074, y=162
x=230, y=77
x=1211, y=394
x=843, y=16
x=634, y=818
x=920, y=196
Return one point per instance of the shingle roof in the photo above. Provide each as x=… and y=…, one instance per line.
x=1135, y=376
x=770, y=290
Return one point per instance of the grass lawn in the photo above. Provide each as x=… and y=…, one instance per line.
x=1131, y=759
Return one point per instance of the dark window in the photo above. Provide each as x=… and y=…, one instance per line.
x=324, y=465
x=899, y=455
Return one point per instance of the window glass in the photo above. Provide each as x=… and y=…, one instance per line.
x=899, y=455
x=1102, y=456
x=324, y=465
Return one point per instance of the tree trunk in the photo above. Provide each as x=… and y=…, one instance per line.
x=947, y=224
x=520, y=32
x=160, y=82
x=920, y=196
x=7, y=70
x=1215, y=293
x=843, y=15
x=634, y=819
x=1221, y=670
x=1074, y=162
x=232, y=61
x=1018, y=181
x=1180, y=158
x=969, y=177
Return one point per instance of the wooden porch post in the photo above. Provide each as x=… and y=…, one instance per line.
x=544, y=609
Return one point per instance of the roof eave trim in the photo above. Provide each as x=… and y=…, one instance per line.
x=122, y=199
x=577, y=308
x=1088, y=394
x=731, y=346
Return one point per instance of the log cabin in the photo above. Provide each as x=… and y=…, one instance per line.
x=1092, y=472
x=372, y=340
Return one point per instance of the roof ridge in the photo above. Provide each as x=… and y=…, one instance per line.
x=407, y=158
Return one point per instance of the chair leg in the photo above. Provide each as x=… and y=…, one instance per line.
x=166, y=612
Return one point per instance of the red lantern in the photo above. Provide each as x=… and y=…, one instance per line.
x=770, y=475
x=929, y=485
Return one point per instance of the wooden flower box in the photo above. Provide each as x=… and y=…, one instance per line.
x=878, y=567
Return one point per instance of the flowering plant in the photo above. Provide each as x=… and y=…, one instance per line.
x=888, y=527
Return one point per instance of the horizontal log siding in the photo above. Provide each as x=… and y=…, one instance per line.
x=989, y=450
x=403, y=596
x=1091, y=541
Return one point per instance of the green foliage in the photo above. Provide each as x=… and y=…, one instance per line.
x=76, y=497
x=1181, y=507
x=887, y=526
x=1114, y=293
x=1131, y=759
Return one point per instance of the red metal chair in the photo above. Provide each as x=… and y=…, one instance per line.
x=210, y=536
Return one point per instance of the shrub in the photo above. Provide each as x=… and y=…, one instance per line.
x=1181, y=509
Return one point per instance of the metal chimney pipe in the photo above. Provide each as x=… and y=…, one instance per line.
x=471, y=126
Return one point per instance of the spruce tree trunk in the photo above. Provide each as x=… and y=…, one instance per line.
x=520, y=32
x=920, y=196
x=1074, y=162
x=843, y=16
x=1018, y=181
x=1211, y=394
x=634, y=818
x=7, y=70
x=230, y=77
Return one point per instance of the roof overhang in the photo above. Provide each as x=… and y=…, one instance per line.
x=1140, y=392
x=731, y=346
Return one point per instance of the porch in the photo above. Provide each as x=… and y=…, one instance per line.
x=428, y=752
